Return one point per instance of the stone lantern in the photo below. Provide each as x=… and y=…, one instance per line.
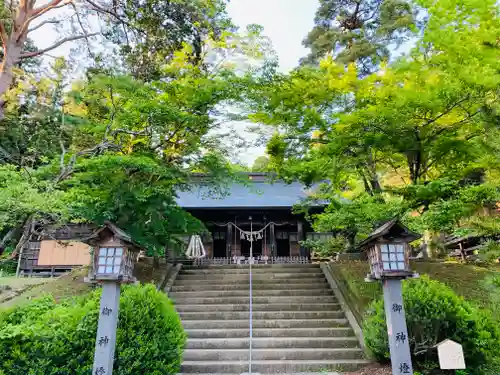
x=388, y=252
x=113, y=258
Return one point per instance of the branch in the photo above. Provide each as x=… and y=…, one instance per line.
x=100, y=9
x=55, y=45
x=54, y=4
x=83, y=29
x=42, y=24
x=3, y=37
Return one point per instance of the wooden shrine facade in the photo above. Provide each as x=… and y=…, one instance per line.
x=278, y=233
x=260, y=206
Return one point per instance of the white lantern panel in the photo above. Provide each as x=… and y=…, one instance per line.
x=101, y=269
x=118, y=261
x=385, y=257
x=400, y=249
x=102, y=252
x=401, y=266
x=393, y=257
x=109, y=260
x=387, y=266
x=111, y=251
x=385, y=248
x=102, y=261
x=401, y=257
x=109, y=269
x=118, y=252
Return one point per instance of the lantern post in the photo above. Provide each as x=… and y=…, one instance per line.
x=388, y=253
x=113, y=258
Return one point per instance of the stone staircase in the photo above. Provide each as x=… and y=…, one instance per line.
x=298, y=326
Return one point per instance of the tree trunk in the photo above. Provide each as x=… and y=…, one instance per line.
x=432, y=243
x=12, y=47
x=7, y=237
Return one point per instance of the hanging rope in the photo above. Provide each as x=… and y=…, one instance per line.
x=195, y=248
x=249, y=235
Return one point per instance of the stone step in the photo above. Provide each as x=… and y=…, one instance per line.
x=261, y=307
x=246, y=270
x=272, y=354
x=272, y=367
x=269, y=332
x=260, y=276
x=255, y=299
x=255, y=282
x=264, y=315
x=255, y=266
x=275, y=342
x=283, y=323
x=255, y=293
x=246, y=286
x=295, y=373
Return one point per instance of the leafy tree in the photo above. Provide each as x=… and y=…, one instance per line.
x=150, y=32
x=121, y=148
x=416, y=132
x=260, y=164
x=359, y=31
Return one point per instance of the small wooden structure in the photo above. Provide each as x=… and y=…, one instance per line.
x=388, y=250
x=54, y=251
x=114, y=254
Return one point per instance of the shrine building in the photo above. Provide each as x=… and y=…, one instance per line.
x=261, y=211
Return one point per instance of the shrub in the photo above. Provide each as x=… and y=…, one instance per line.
x=50, y=338
x=434, y=313
x=490, y=252
x=326, y=248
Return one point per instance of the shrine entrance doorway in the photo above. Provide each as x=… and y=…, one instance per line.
x=245, y=248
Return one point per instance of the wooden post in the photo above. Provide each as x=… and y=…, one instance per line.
x=300, y=238
x=462, y=252
x=273, y=240
x=229, y=240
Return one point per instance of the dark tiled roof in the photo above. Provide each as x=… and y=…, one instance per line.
x=257, y=194
x=386, y=228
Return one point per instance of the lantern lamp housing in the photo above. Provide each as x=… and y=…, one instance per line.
x=114, y=255
x=388, y=251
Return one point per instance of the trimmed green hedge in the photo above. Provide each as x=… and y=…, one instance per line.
x=435, y=313
x=44, y=337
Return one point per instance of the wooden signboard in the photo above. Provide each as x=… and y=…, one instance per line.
x=451, y=355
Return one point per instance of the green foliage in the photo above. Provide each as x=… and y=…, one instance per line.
x=23, y=195
x=355, y=218
x=490, y=252
x=261, y=164
x=135, y=192
x=8, y=267
x=46, y=337
x=434, y=313
x=410, y=134
x=164, y=28
x=359, y=31
x=326, y=248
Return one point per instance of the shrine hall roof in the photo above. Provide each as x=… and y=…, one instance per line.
x=258, y=193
